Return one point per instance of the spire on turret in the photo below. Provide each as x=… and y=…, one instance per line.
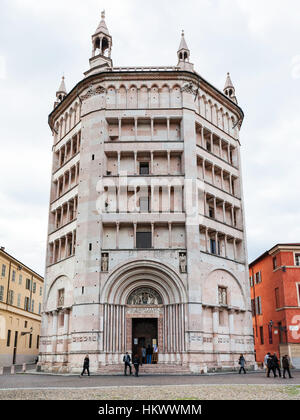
x=229, y=89
x=102, y=45
x=61, y=93
x=183, y=54
x=183, y=51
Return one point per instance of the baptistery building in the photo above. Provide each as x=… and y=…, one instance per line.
x=146, y=243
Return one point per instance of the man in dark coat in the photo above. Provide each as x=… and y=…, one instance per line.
x=136, y=363
x=86, y=365
x=276, y=364
x=286, y=366
x=242, y=363
x=271, y=366
x=127, y=361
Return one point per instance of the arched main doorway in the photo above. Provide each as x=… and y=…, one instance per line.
x=144, y=303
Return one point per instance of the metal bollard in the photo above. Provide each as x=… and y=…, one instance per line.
x=13, y=370
x=24, y=368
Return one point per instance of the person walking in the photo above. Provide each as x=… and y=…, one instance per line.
x=143, y=355
x=136, y=364
x=286, y=366
x=86, y=366
x=242, y=363
x=276, y=364
x=149, y=353
x=127, y=361
x=271, y=367
x=266, y=362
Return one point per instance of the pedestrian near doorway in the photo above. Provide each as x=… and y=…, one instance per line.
x=143, y=355
x=127, y=363
x=149, y=353
x=286, y=366
x=86, y=366
x=242, y=363
x=136, y=364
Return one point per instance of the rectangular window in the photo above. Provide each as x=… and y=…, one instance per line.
x=274, y=263
x=3, y=270
x=143, y=240
x=28, y=284
x=19, y=300
x=258, y=277
x=11, y=297
x=213, y=249
x=20, y=279
x=30, y=341
x=8, y=338
x=41, y=291
x=297, y=259
x=1, y=293
x=32, y=306
x=26, y=304
x=13, y=278
x=211, y=212
x=34, y=287
x=277, y=300
x=251, y=281
x=270, y=334
x=261, y=333
x=258, y=308
x=144, y=168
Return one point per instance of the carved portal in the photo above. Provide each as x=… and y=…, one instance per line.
x=144, y=296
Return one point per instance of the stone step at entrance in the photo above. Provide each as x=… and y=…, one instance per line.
x=155, y=369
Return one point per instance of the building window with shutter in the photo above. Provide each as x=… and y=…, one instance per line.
x=297, y=260
x=3, y=270
x=258, y=308
x=261, y=333
x=1, y=293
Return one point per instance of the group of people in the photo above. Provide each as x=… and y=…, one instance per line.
x=271, y=363
x=149, y=355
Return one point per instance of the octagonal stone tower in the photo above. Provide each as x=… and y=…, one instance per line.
x=146, y=240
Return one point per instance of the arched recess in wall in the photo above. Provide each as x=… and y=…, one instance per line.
x=154, y=97
x=143, y=97
x=133, y=97
x=176, y=97
x=122, y=97
x=135, y=274
x=60, y=283
x=165, y=97
x=223, y=278
x=111, y=97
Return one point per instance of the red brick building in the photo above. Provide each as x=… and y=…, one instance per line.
x=275, y=297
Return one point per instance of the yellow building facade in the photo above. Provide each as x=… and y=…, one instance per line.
x=21, y=299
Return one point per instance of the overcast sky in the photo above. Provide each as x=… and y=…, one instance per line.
x=257, y=41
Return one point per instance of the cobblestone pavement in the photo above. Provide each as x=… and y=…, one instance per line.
x=160, y=393
x=205, y=387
